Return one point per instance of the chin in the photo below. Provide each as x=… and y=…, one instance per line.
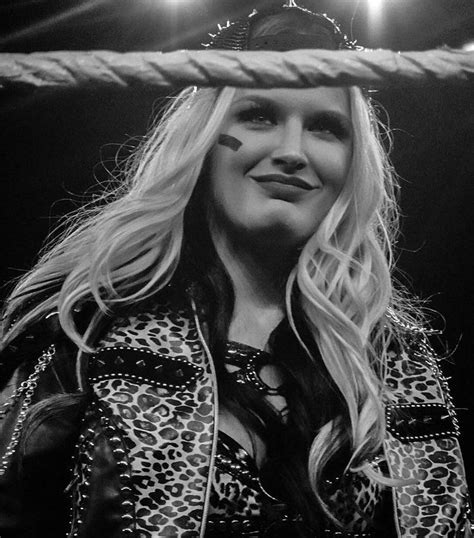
x=283, y=233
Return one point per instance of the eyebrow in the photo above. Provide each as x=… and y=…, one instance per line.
x=268, y=101
x=256, y=98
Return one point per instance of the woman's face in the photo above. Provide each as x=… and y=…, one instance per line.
x=282, y=158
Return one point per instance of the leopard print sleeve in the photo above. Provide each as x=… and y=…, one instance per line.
x=421, y=445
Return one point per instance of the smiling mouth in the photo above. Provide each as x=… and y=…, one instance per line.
x=290, y=181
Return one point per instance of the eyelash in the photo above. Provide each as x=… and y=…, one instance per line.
x=322, y=123
x=253, y=113
x=333, y=125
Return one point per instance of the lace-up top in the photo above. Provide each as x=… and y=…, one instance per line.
x=239, y=504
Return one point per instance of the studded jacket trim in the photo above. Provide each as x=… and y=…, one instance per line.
x=140, y=365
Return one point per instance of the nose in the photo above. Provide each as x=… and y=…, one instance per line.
x=289, y=152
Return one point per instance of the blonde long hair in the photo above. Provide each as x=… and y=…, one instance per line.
x=126, y=250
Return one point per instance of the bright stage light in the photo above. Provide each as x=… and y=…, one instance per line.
x=375, y=15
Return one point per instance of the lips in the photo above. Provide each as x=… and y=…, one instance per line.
x=282, y=179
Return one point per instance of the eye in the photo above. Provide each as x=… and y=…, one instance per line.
x=257, y=115
x=332, y=125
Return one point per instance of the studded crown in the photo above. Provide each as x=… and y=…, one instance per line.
x=240, y=34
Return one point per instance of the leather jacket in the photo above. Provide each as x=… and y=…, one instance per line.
x=132, y=453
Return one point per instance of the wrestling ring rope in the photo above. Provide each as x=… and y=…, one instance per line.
x=295, y=69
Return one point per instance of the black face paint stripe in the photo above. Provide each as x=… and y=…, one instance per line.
x=230, y=142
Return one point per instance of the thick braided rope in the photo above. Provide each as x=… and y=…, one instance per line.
x=295, y=69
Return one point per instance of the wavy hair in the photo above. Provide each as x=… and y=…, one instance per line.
x=126, y=248
x=345, y=276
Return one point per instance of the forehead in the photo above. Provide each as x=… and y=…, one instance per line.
x=304, y=99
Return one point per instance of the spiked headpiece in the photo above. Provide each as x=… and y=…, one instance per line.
x=238, y=35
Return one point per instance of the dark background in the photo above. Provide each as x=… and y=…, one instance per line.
x=57, y=144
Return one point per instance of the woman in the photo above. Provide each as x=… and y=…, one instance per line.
x=221, y=347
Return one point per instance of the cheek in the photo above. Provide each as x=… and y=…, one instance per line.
x=224, y=176
x=222, y=166
x=235, y=153
x=333, y=165
x=229, y=141
x=252, y=146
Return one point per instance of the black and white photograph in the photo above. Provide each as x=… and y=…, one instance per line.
x=237, y=277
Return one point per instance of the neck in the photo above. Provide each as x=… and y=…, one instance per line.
x=258, y=278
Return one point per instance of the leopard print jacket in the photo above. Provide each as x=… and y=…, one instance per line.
x=144, y=460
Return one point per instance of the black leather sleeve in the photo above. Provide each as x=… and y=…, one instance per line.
x=33, y=479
